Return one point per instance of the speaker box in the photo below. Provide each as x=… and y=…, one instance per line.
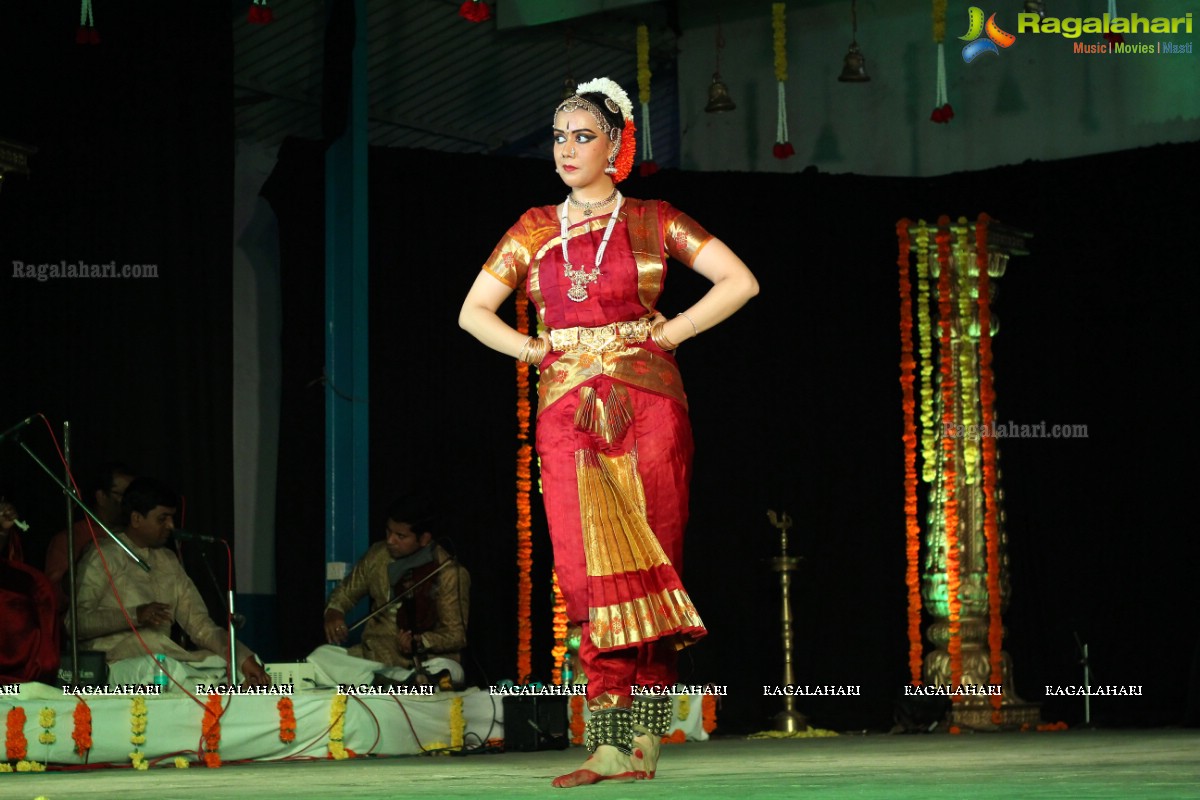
x=92, y=669
x=535, y=723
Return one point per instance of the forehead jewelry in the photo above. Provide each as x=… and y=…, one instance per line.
x=575, y=103
x=580, y=277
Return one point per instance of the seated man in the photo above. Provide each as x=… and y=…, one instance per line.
x=107, y=492
x=152, y=600
x=419, y=639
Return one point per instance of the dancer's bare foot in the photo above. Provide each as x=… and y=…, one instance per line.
x=646, y=747
x=606, y=764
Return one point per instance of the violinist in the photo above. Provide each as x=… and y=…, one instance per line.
x=417, y=626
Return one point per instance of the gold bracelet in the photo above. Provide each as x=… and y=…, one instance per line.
x=658, y=334
x=525, y=350
x=695, y=330
x=537, y=350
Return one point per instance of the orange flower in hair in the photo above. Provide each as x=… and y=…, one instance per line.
x=624, y=160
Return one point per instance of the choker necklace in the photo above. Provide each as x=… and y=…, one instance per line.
x=586, y=206
x=579, y=276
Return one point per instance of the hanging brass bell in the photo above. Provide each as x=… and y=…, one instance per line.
x=854, y=66
x=718, y=96
x=568, y=90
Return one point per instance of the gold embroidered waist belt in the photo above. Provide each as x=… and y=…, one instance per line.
x=604, y=339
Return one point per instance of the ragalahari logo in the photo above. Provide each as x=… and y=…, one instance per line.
x=996, y=38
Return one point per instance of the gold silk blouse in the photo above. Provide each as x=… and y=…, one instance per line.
x=632, y=277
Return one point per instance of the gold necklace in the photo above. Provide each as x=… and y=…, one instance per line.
x=588, y=206
x=580, y=277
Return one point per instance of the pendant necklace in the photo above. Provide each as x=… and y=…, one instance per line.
x=588, y=207
x=579, y=276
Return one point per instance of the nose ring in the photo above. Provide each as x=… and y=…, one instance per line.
x=572, y=153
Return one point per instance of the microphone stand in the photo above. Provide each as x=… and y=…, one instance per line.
x=70, y=493
x=72, y=609
x=231, y=664
x=1085, y=662
x=73, y=498
x=232, y=645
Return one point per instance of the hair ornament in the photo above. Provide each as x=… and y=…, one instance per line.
x=613, y=91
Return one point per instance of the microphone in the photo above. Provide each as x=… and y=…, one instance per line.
x=8, y=512
x=185, y=536
x=16, y=428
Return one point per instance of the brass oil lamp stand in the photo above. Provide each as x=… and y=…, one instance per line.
x=789, y=720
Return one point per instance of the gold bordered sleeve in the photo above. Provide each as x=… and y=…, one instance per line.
x=509, y=263
x=683, y=237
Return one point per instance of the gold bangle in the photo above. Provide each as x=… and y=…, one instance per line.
x=695, y=330
x=658, y=334
x=535, y=350
x=525, y=349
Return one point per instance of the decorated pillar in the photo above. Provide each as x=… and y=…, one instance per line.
x=958, y=569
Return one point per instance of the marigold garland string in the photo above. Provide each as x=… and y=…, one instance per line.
x=949, y=445
x=137, y=730
x=987, y=401
x=648, y=167
x=561, y=626
x=15, y=743
x=46, y=719
x=337, y=729
x=524, y=517
x=943, y=112
x=137, y=721
x=211, y=730
x=577, y=721
x=81, y=733
x=925, y=348
x=783, y=148
x=939, y=21
x=708, y=707
x=966, y=365
x=287, y=720
x=912, y=578
x=458, y=724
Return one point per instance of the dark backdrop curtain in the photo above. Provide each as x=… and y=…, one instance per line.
x=134, y=166
x=796, y=408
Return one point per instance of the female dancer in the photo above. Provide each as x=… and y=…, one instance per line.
x=613, y=436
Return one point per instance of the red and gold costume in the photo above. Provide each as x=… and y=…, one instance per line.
x=613, y=436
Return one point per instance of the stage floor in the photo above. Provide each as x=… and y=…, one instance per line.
x=1075, y=764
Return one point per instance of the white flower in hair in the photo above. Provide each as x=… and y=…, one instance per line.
x=611, y=89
